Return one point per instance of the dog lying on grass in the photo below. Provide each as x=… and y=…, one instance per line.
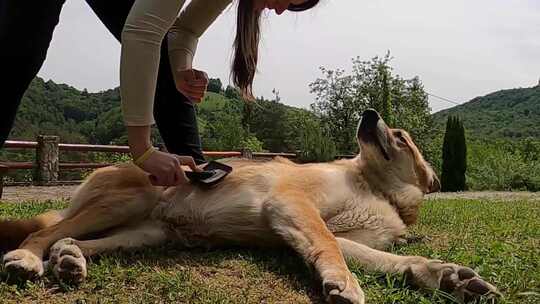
x=326, y=212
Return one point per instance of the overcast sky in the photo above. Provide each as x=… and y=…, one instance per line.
x=460, y=49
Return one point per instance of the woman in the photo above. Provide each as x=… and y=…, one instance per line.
x=146, y=26
x=155, y=77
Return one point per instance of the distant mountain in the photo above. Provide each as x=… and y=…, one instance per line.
x=508, y=114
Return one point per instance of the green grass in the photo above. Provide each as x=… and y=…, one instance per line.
x=500, y=240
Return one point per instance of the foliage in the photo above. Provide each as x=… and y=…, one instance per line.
x=500, y=164
x=232, y=93
x=341, y=98
x=220, y=127
x=251, y=143
x=454, y=157
x=268, y=122
x=503, y=140
x=228, y=123
x=504, y=165
x=508, y=114
x=215, y=85
x=432, y=151
x=314, y=141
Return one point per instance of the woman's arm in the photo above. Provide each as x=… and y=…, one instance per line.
x=139, y=140
x=146, y=26
x=184, y=35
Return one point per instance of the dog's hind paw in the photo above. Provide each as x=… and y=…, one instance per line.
x=23, y=264
x=68, y=262
x=342, y=289
x=462, y=282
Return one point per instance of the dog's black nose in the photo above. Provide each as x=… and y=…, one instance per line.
x=370, y=118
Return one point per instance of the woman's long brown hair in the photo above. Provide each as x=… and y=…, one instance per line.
x=246, y=44
x=246, y=47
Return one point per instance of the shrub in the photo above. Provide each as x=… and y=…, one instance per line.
x=315, y=143
x=502, y=166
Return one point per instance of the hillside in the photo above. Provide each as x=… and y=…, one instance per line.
x=78, y=116
x=508, y=114
x=82, y=117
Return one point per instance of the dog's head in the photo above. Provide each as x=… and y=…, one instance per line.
x=392, y=151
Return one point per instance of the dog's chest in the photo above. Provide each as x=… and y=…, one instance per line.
x=367, y=217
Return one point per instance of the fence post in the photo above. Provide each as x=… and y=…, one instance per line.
x=3, y=171
x=47, y=160
x=246, y=153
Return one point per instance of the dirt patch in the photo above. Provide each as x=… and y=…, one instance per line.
x=16, y=194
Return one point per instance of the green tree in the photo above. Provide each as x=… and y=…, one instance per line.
x=454, y=155
x=340, y=99
x=215, y=85
x=269, y=123
x=231, y=92
x=314, y=142
x=385, y=105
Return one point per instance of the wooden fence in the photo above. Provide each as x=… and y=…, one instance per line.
x=47, y=165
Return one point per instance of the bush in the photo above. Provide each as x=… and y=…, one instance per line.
x=502, y=166
x=314, y=142
x=215, y=85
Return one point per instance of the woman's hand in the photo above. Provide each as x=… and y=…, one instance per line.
x=165, y=169
x=192, y=83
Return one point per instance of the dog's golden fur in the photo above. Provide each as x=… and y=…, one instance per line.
x=326, y=212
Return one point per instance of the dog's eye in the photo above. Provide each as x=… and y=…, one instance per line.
x=401, y=138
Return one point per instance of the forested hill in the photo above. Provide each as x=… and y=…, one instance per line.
x=75, y=116
x=509, y=114
x=80, y=117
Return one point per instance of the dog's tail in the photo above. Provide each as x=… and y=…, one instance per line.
x=14, y=232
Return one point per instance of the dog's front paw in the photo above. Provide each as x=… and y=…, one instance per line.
x=342, y=288
x=68, y=262
x=23, y=264
x=462, y=282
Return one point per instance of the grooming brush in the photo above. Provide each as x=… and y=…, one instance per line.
x=213, y=173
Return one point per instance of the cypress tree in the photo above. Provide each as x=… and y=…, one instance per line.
x=386, y=97
x=454, y=153
x=461, y=155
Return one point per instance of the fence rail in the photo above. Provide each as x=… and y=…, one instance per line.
x=47, y=165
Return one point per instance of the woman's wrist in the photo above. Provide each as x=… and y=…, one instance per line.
x=139, y=161
x=139, y=140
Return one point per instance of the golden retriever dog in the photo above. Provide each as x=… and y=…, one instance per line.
x=327, y=212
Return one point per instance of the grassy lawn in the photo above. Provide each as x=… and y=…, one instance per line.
x=500, y=240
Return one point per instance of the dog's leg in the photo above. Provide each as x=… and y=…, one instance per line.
x=294, y=218
x=26, y=262
x=67, y=256
x=461, y=281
